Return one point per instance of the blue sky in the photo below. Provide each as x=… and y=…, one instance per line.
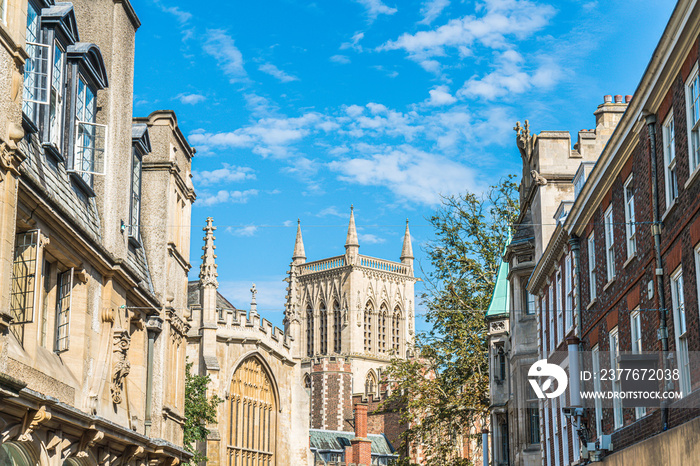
x=299, y=109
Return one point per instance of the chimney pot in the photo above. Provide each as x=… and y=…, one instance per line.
x=618, y=99
x=607, y=99
x=628, y=99
x=360, y=420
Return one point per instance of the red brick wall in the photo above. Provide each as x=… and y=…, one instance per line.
x=331, y=393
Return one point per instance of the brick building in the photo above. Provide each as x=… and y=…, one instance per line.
x=621, y=272
x=91, y=300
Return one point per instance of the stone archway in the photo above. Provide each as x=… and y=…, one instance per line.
x=252, y=416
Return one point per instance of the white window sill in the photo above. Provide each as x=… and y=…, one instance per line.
x=692, y=178
x=592, y=303
x=609, y=284
x=629, y=259
x=669, y=208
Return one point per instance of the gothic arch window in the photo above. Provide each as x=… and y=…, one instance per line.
x=383, y=311
x=323, y=329
x=309, y=331
x=337, y=327
x=253, y=416
x=307, y=383
x=396, y=331
x=369, y=309
x=371, y=384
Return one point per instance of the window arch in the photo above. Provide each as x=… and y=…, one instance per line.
x=337, y=328
x=369, y=308
x=309, y=331
x=396, y=331
x=383, y=311
x=253, y=416
x=15, y=454
x=370, y=384
x=323, y=329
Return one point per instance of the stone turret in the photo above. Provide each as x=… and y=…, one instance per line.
x=352, y=246
x=407, y=250
x=208, y=285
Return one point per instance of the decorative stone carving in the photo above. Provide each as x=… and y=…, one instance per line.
x=525, y=140
x=88, y=440
x=539, y=179
x=178, y=327
x=207, y=272
x=130, y=452
x=32, y=420
x=122, y=366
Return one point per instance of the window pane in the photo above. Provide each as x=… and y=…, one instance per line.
x=63, y=301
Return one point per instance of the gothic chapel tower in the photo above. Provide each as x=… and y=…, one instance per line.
x=348, y=315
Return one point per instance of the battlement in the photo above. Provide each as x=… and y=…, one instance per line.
x=241, y=324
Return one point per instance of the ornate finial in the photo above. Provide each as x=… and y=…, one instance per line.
x=253, y=303
x=407, y=250
x=207, y=271
x=351, y=239
x=299, y=253
x=524, y=140
x=352, y=207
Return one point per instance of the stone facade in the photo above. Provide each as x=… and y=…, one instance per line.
x=92, y=339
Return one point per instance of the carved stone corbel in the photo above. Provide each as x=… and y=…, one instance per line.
x=32, y=420
x=122, y=366
x=88, y=440
x=130, y=452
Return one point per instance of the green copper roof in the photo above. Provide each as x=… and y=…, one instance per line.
x=500, y=300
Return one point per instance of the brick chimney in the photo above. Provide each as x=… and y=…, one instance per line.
x=360, y=450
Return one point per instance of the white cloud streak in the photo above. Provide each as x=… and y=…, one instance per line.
x=272, y=70
x=375, y=8
x=431, y=9
x=190, y=99
x=221, y=46
x=226, y=174
x=223, y=196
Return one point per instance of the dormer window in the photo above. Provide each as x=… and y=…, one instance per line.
x=36, y=69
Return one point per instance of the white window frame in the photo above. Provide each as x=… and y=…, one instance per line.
x=550, y=306
x=630, y=218
x=548, y=432
x=637, y=348
x=36, y=88
x=598, y=403
x=681, y=330
x=62, y=334
x=609, y=243
x=565, y=436
x=618, y=415
x=692, y=100
x=560, y=307
x=670, y=165
x=593, y=283
x=569, y=289
x=697, y=271
x=555, y=419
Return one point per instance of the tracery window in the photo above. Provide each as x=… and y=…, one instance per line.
x=395, y=331
x=323, y=330
x=370, y=384
x=382, y=327
x=368, y=326
x=337, y=328
x=309, y=332
x=253, y=416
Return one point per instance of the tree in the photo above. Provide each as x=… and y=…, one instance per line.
x=199, y=411
x=445, y=390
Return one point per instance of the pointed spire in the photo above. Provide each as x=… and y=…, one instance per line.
x=352, y=232
x=407, y=250
x=299, y=252
x=207, y=271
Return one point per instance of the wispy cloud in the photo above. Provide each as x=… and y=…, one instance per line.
x=275, y=72
x=181, y=15
x=370, y=239
x=190, y=99
x=376, y=8
x=221, y=46
x=440, y=96
x=354, y=42
x=342, y=59
x=333, y=212
x=248, y=230
x=226, y=174
x=223, y=196
x=431, y=9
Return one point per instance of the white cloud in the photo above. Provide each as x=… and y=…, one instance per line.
x=431, y=9
x=510, y=78
x=342, y=59
x=248, y=230
x=223, y=196
x=275, y=72
x=376, y=8
x=354, y=110
x=332, y=211
x=354, y=42
x=440, y=96
x=501, y=19
x=190, y=99
x=226, y=174
x=370, y=239
x=221, y=46
x=181, y=15
x=412, y=174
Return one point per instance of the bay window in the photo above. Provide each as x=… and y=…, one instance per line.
x=36, y=68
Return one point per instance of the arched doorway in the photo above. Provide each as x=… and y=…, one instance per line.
x=253, y=416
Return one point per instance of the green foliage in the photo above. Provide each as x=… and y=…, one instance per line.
x=445, y=390
x=199, y=411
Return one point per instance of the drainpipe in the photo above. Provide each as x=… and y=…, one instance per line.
x=485, y=445
x=656, y=231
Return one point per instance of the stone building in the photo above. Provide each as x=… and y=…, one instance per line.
x=345, y=318
x=552, y=172
x=629, y=252
x=91, y=335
